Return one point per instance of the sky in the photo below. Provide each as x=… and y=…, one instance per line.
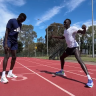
x=42, y=13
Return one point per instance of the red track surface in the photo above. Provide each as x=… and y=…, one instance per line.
x=35, y=79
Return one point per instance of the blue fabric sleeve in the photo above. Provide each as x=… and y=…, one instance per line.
x=9, y=24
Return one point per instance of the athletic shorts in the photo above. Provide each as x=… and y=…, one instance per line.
x=12, y=46
x=70, y=51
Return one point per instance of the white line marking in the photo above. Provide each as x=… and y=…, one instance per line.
x=28, y=73
x=91, y=65
x=59, y=69
x=75, y=63
x=92, y=69
x=70, y=72
x=79, y=71
x=33, y=66
x=79, y=74
x=56, y=64
x=80, y=68
x=48, y=81
x=21, y=77
x=31, y=73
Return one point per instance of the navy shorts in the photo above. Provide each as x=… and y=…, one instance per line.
x=12, y=46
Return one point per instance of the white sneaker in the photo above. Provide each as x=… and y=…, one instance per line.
x=4, y=80
x=11, y=76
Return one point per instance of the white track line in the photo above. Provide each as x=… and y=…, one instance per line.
x=80, y=67
x=80, y=71
x=27, y=73
x=59, y=69
x=48, y=81
x=32, y=73
x=75, y=63
x=57, y=64
x=91, y=65
x=33, y=66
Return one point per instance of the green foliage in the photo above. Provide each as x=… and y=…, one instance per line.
x=27, y=35
x=55, y=29
x=40, y=40
x=41, y=46
x=20, y=47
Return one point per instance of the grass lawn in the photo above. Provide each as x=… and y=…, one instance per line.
x=86, y=59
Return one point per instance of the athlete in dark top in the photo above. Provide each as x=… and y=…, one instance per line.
x=10, y=44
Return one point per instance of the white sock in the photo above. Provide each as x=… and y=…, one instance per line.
x=88, y=76
x=61, y=69
x=10, y=72
x=3, y=73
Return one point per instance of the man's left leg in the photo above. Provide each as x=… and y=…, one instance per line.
x=10, y=74
x=83, y=66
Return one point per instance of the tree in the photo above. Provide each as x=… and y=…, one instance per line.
x=20, y=47
x=55, y=29
x=41, y=46
x=1, y=43
x=27, y=36
x=40, y=40
x=88, y=38
x=1, y=47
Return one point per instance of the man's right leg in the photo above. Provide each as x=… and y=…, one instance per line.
x=10, y=74
x=83, y=66
x=62, y=59
x=6, y=57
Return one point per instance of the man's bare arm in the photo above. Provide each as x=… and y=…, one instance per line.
x=6, y=35
x=62, y=37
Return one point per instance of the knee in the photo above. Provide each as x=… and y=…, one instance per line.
x=7, y=57
x=13, y=57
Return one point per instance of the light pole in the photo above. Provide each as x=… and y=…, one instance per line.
x=47, y=35
x=92, y=33
x=79, y=42
x=47, y=40
x=35, y=49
